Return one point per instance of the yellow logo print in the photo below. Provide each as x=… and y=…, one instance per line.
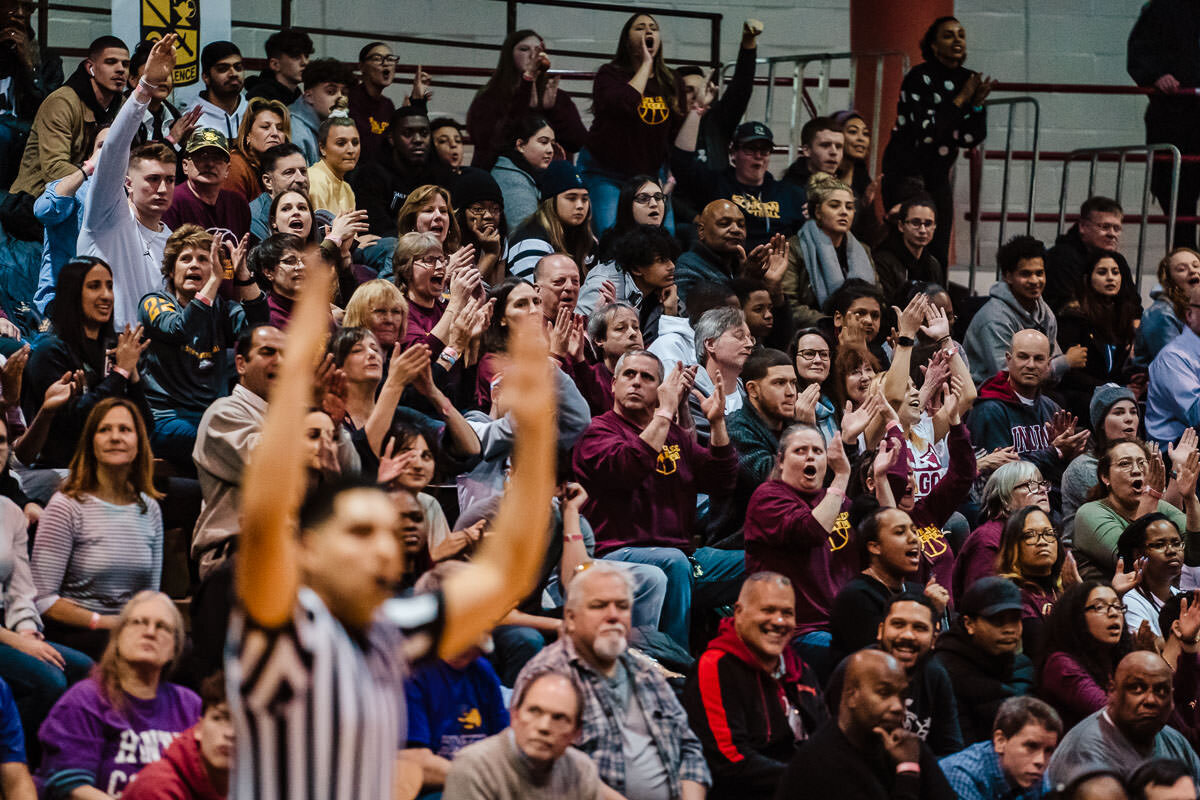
x=666, y=464
x=757, y=208
x=378, y=127
x=653, y=110
x=839, y=537
x=933, y=543
x=160, y=17
x=470, y=719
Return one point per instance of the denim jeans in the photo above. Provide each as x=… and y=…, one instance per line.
x=36, y=685
x=173, y=438
x=717, y=585
x=604, y=188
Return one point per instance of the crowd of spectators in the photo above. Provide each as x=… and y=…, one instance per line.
x=679, y=479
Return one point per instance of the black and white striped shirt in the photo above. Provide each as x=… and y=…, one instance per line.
x=319, y=714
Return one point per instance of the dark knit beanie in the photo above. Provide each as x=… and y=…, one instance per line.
x=474, y=186
x=559, y=177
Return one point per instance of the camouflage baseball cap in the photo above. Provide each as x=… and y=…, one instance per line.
x=207, y=137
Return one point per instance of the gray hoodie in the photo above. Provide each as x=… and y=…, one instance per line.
x=519, y=190
x=991, y=330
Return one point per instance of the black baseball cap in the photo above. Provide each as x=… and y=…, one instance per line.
x=753, y=132
x=990, y=596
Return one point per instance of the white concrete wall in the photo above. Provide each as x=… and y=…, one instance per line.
x=1070, y=41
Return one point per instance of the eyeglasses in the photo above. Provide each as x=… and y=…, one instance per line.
x=642, y=198
x=378, y=59
x=484, y=209
x=1033, y=487
x=813, y=355
x=1107, y=609
x=1127, y=464
x=1036, y=537
x=158, y=625
x=292, y=262
x=431, y=263
x=920, y=223
x=1165, y=545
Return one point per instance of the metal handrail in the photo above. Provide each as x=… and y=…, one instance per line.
x=823, y=83
x=976, y=219
x=1094, y=156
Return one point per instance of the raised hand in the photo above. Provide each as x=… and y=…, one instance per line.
x=1180, y=451
x=909, y=321
x=573, y=496
x=69, y=386
x=1070, y=571
x=936, y=373
x=560, y=333
x=1189, y=620
x=835, y=457
x=420, y=85
x=1062, y=422
x=776, y=263
x=10, y=377
x=713, y=406
x=129, y=349
x=885, y=458
x=806, y=404
x=608, y=293
x=181, y=129
x=1077, y=356
x=937, y=594
x=673, y=389
x=854, y=422
x=1156, y=471
x=406, y=365
x=391, y=465
x=1123, y=581
x=161, y=61
x=333, y=400
x=1187, y=473
x=937, y=324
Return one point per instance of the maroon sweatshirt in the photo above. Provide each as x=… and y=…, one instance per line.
x=934, y=509
x=178, y=775
x=631, y=131
x=642, y=497
x=489, y=118
x=783, y=536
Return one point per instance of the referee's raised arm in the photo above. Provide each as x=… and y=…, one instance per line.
x=506, y=567
x=268, y=574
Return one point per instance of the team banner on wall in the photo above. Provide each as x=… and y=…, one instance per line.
x=195, y=21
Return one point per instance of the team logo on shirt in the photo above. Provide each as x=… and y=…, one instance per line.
x=757, y=208
x=933, y=542
x=378, y=127
x=667, y=461
x=470, y=719
x=653, y=110
x=1027, y=438
x=839, y=537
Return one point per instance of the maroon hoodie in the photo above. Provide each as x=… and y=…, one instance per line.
x=178, y=775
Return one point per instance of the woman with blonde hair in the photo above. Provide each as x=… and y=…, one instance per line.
x=1178, y=272
x=100, y=539
x=265, y=124
x=380, y=307
x=825, y=253
x=105, y=729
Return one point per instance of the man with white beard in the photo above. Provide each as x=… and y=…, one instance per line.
x=633, y=726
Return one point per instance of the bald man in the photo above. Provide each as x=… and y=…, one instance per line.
x=714, y=257
x=1013, y=412
x=1173, y=399
x=1130, y=729
x=556, y=279
x=770, y=206
x=866, y=754
x=747, y=743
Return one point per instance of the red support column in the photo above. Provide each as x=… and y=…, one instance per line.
x=880, y=26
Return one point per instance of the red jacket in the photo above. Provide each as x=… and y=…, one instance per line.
x=178, y=775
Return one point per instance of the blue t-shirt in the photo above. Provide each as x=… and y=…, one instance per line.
x=12, y=737
x=449, y=709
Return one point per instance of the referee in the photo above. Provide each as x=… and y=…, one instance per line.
x=314, y=672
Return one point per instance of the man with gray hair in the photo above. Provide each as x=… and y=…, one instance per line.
x=643, y=470
x=723, y=343
x=633, y=727
x=748, y=742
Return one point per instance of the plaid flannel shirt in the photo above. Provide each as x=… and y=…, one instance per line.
x=600, y=735
x=975, y=774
